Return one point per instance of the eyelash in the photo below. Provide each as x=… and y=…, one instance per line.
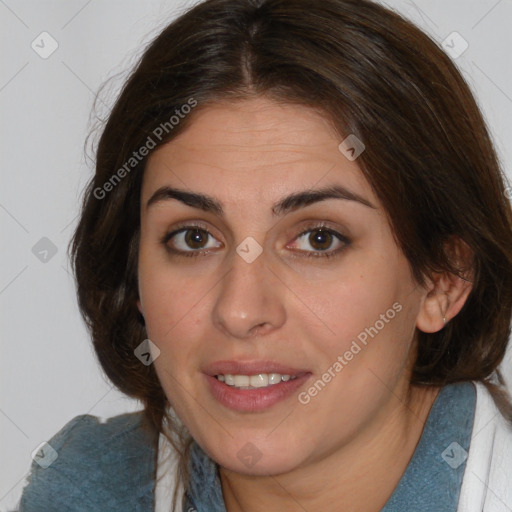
x=307, y=254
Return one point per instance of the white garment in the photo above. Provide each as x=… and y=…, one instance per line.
x=487, y=483
x=166, y=476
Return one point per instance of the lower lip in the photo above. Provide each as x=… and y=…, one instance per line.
x=257, y=399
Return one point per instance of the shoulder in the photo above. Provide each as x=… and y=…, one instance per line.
x=94, y=465
x=486, y=485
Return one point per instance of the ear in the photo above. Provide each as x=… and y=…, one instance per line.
x=446, y=293
x=139, y=307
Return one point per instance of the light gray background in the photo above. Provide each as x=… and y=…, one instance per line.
x=48, y=370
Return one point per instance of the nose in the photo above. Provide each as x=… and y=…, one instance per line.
x=249, y=300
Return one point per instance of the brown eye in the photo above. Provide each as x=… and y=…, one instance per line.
x=196, y=238
x=190, y=241
x=320, y=240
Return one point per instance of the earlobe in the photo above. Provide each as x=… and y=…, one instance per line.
x=433, y=312
x=139, y=307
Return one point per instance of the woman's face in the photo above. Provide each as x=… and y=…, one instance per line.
x=264, y=253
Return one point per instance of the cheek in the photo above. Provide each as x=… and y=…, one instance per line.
x=171, y=299
x=361, y=298
x=364, y=352
x=173, y=313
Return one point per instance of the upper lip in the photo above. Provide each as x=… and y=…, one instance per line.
x=250, y=368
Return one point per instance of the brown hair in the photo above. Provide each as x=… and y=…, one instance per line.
x=428, y=157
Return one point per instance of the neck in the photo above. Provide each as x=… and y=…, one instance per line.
x=377, y=458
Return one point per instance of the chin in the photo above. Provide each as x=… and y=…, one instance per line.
x=256, y=459
x=269, y=467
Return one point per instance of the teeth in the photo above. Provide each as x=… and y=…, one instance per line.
x=262, y=380
x=241, y=381
x=258, y=381
x=274, y=378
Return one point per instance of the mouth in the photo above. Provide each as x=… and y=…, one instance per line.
x=253, y=386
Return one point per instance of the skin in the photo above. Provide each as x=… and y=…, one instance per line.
x=361, y=430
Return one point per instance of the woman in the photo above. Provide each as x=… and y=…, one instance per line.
x=296, y=251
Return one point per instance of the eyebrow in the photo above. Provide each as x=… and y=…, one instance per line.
x=288, y=204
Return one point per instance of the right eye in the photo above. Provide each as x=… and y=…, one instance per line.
x=190, y=241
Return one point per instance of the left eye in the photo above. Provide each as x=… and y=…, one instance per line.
x=320, y=240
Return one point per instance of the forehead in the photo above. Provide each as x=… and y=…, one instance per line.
x=254, y=146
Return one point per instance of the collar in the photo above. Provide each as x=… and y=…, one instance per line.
x=433, y=478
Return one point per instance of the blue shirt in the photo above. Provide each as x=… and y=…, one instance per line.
x=112, y=466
